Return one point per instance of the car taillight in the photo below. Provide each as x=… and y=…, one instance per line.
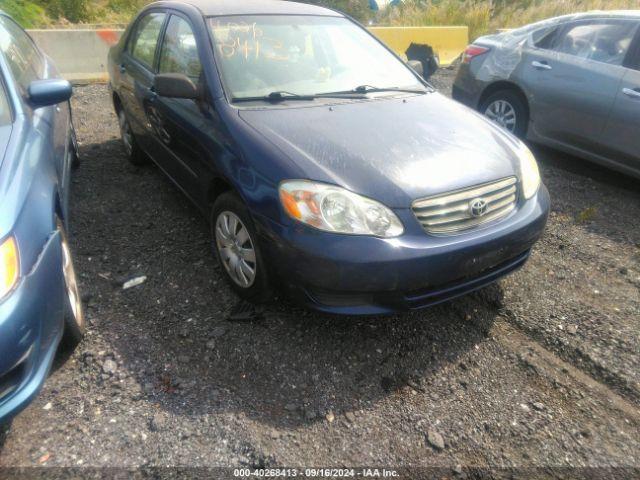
x=473, y=51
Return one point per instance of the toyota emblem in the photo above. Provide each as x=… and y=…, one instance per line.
x=478, y=207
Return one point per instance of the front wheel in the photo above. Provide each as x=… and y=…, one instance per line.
x=74, y=322
x=507, y=109
x=235, y=245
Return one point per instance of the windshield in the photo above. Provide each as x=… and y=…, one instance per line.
x=301, y=55
x=5, y=112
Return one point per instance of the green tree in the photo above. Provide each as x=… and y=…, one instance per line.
x=356, y=8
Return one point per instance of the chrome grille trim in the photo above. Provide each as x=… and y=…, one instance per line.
x=450, y=212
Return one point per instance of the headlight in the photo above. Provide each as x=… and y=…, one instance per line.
x=335, y=209
x=529, y=172
x=9, y=269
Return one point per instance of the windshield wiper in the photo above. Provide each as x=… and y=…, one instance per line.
x=372, y=89
x=274, y=97
x=364, y=89
x=282, y=96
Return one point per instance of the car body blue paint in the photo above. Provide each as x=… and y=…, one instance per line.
x=394, y=149
x=36, y=154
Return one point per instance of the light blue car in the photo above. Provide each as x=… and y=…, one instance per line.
x=39, y=300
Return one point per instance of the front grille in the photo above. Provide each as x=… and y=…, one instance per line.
x=456, y=211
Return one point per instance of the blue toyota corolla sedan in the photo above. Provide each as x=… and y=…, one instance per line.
x=39, y=300
x=326, y=165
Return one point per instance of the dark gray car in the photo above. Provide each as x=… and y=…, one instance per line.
x=570, y=82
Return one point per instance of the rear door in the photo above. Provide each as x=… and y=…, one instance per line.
x=176, y=122
x=138, y=68
x=621, y=137
x=573, y=83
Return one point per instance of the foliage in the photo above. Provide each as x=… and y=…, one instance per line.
x=358, y=9
x=481, y=16
x=484, y=16
x=24, y=11
x=75, y=11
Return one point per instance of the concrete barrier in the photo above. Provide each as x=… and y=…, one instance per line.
x=81, y=55
x=447, y=42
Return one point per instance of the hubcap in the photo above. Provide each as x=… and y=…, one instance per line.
x=502, y=113
x=71, y=283
x=236, y=249
x=125, y=132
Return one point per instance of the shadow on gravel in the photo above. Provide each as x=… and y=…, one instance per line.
x=171, y=334
x=4, y=433
x=606, y=203
x=585, y=168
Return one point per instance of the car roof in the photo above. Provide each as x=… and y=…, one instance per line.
x=600, y=14
x=211, y=8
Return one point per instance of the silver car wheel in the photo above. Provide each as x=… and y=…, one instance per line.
x=125, y=132
x=236, y=249
x=71, y=282
x=502, y=113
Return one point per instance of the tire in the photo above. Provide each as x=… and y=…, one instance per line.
x=75, y=151
x=74, y=319
x=229, y=217
x=508, y=109
x=133, y=152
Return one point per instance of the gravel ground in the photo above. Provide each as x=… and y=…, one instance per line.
x=541, y=370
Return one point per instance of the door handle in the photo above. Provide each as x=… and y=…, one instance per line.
x=541, y=65
x=631, y=93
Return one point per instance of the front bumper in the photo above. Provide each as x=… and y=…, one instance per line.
x=31, y=326
x=366, y=275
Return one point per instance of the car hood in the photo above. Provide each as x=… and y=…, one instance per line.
x=395, y=150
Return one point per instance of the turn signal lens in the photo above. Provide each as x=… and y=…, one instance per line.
x=9, y=269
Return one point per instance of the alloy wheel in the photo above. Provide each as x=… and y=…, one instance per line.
x=71, y=282
x=236, y=249
x=502, y=113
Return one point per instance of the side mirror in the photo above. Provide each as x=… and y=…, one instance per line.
x=416, y=66
x=175, y=85
x=44, y=93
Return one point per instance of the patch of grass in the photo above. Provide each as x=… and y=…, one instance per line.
x=481, y=16
x=27, y=13
x=587, y=215
x=487, y=16
x=475, y=14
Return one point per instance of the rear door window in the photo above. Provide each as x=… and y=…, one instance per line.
x=145, y=38
x=633, y=58
x=545, y=37
x=179, y=52
x=24, y=59
x=605, y=41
